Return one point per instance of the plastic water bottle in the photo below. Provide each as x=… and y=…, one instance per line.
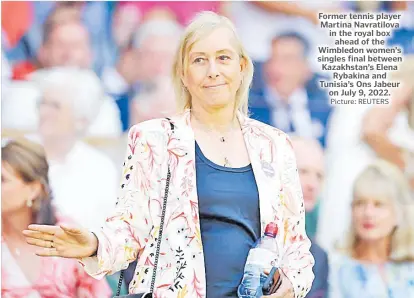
x=262, y=257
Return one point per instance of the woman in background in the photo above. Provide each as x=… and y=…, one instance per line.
x=377, y=258
x=26, y=199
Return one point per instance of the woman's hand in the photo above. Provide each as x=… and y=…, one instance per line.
x=285, y=290
x=62, y=241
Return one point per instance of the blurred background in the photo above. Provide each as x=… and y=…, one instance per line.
x=77, y=75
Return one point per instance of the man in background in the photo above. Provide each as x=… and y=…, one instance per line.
x=285, y=92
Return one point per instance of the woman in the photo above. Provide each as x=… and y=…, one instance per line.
x=221, y=163
x=377, y=259
x=379, y=131
x=26, y=199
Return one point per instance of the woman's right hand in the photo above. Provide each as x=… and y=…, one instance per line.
x=66, y=241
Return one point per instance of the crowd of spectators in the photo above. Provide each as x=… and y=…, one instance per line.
x=77, y=75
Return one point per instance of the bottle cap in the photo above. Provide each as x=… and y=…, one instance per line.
x=271, y=230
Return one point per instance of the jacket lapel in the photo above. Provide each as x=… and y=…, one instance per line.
x=262, y=154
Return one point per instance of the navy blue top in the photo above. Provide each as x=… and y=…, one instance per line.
x=229, y=222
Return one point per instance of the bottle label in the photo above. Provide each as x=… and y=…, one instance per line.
x=263, y=258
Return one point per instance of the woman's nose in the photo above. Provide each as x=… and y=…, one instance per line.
x=213, y=71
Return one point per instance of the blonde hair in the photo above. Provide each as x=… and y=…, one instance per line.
x=383, y=179
x=202, y=25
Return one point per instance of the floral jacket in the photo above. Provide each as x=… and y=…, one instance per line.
x=132, y=229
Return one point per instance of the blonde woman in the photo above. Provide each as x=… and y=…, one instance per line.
x=377, y=259
x=229, y=176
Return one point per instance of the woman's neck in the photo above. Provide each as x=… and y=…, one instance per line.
x=373, y=251
x=216, y=119
x=13, y=224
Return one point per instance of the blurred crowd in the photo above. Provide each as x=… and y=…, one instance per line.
x=77, y=75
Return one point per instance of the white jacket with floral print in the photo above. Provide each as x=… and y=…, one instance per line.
x=131, y=231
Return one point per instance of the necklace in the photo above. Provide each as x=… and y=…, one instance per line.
x=222, y=138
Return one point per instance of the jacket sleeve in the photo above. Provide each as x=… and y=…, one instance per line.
x=125, y=232
x=297, y=260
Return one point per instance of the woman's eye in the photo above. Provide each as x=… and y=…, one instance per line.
x=224, y=57
x=198, y=60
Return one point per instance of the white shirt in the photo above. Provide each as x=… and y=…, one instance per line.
x=85, y=185
x=294, y=113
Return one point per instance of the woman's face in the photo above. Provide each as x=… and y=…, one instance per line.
x=14, y=191
x=373, y=219
x=214, y=70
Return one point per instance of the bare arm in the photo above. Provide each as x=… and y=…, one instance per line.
x=378, y=121
x=376, y=124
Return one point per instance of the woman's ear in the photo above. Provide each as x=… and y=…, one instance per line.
x=243, y=64
x=35, y=190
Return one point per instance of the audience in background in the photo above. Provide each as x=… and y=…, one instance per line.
x=259, y=21
x=66, y=43
x=83, y=179
x=376, y=258
x=95, y=17
x=51, y=49
x=156, y=39
x=375, y=131
x=289, y=96
x=310, y=162
x=26, y=199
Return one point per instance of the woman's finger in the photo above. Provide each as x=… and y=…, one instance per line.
x=44, y=229
x=70, y=229
x=38, y=235
x=48, y=252
x=40, y=243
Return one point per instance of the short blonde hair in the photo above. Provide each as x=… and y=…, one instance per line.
x=385, y=179
x=203, y=24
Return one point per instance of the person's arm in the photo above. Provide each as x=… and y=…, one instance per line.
x=287, y=8
x=375, y=128
x=123, y=235
x=297, y=260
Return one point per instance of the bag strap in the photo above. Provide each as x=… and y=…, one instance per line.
x=157, y=253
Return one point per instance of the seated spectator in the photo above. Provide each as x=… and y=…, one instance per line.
x=26, y=199
x=96, y=17
x=375, y=131
x=66, y=43
x=157, y=40
x=310, y=162
x=83, y=179
x=376, y=258
x=290, y=99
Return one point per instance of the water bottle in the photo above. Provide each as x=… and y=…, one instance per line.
x=263, y=256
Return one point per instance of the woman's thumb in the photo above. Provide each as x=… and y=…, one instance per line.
x=70, y=229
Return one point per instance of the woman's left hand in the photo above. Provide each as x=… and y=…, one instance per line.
x=285, y=290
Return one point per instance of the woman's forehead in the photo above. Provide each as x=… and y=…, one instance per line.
x=219, y=40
